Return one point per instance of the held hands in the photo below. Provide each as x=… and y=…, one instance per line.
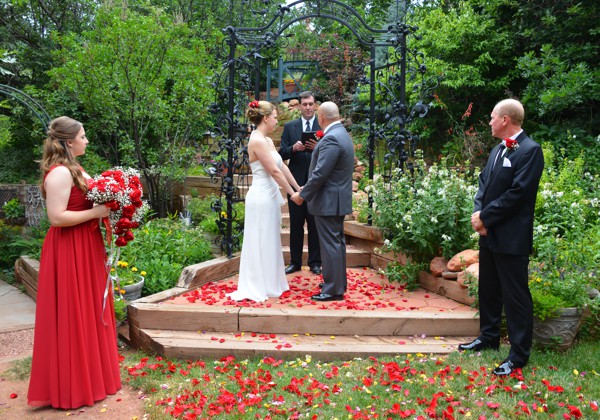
x=296, y=198
x=477, y=224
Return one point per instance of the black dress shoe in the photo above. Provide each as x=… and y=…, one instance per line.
x=477, y=345
x=324, y=297
x=292, y=268
x=316, y=269
x=506, y=368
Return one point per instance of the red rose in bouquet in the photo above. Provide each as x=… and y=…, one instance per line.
x=121, y=191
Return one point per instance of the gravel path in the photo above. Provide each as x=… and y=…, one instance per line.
x=16, y=343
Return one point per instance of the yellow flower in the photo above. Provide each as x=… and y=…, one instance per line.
x=134, y=269
x=224, y=215
x=143, y=273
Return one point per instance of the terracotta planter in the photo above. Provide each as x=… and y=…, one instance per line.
x=290, y=87
x=558, y=332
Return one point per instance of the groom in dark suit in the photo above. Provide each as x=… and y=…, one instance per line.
x=299, y=155
x=503, y=217
x=329, y=196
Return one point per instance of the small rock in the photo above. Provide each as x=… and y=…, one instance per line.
x=463, y=259
x=437, y=266
x=450, y=275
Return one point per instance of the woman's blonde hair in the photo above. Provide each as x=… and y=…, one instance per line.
x=57, y=152
x=257, y=110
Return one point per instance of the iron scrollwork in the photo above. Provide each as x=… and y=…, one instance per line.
x=389, y=118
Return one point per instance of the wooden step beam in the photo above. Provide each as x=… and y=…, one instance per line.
x=230, y=319
x=193, y=345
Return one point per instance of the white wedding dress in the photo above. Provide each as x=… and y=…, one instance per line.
x=262, y=273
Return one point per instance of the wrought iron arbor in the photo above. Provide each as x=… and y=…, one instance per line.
x=33, y=197
x=389, y=140
x=29, y=102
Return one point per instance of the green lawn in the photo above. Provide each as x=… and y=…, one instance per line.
x=459, y=385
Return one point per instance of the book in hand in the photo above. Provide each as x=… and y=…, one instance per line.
x=308, y=135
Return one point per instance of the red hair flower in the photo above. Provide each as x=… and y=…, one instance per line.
x=319, y=134
x=253, y=104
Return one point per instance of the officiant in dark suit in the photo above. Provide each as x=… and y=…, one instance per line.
x=503, y=217
x=329, y=196
x=299, y=156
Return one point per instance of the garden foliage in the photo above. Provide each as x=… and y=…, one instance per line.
x=163, y=247
x=566, y=235
x=426, y=213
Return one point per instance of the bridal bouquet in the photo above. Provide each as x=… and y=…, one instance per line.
x=121, y=191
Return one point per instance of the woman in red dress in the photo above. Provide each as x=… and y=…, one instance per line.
x=75, y=360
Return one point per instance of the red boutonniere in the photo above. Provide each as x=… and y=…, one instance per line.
x=253, y=104
x=319, y=134
x=510, y=144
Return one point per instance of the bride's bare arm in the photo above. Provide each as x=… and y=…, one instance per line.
x=262, y=150
x=290, y=178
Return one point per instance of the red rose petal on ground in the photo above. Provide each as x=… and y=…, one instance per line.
x=13, y=396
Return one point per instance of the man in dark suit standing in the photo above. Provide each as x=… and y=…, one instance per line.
x=299, y=155
x=329, y=196
x=503, y=217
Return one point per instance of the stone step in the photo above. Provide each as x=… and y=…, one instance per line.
x=285, y=237
x=193, y=344
x=354, y=257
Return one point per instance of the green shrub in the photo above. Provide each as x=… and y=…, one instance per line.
x=31, y=239
x=427, y=214
x=121, y=309
x=202, y=214
x=407, y=274
x=13, y=209
x=163, y=247
x=8, y=253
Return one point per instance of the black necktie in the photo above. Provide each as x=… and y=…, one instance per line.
x=307, y=126
x=500, y=149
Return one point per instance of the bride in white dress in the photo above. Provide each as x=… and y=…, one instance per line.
x=262, y=272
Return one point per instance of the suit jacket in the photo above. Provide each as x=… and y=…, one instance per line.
x=328, y=191
x=506, y=197
x=299, y=162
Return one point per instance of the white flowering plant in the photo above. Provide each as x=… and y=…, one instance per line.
x=566, y=235
x=427, y=213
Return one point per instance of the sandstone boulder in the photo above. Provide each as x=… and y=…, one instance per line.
x=437, y=266
x=463, y=259
x=471, y=272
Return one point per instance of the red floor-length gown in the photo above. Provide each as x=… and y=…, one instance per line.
x=75, y=357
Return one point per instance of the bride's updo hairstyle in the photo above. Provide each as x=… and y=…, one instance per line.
x=57, y=152
x=257, y=110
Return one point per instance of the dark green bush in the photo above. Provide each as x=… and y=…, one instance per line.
x=203, y=216
x=162, y=248
x=8, y=253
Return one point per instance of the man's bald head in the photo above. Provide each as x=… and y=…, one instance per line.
x=329, y=112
